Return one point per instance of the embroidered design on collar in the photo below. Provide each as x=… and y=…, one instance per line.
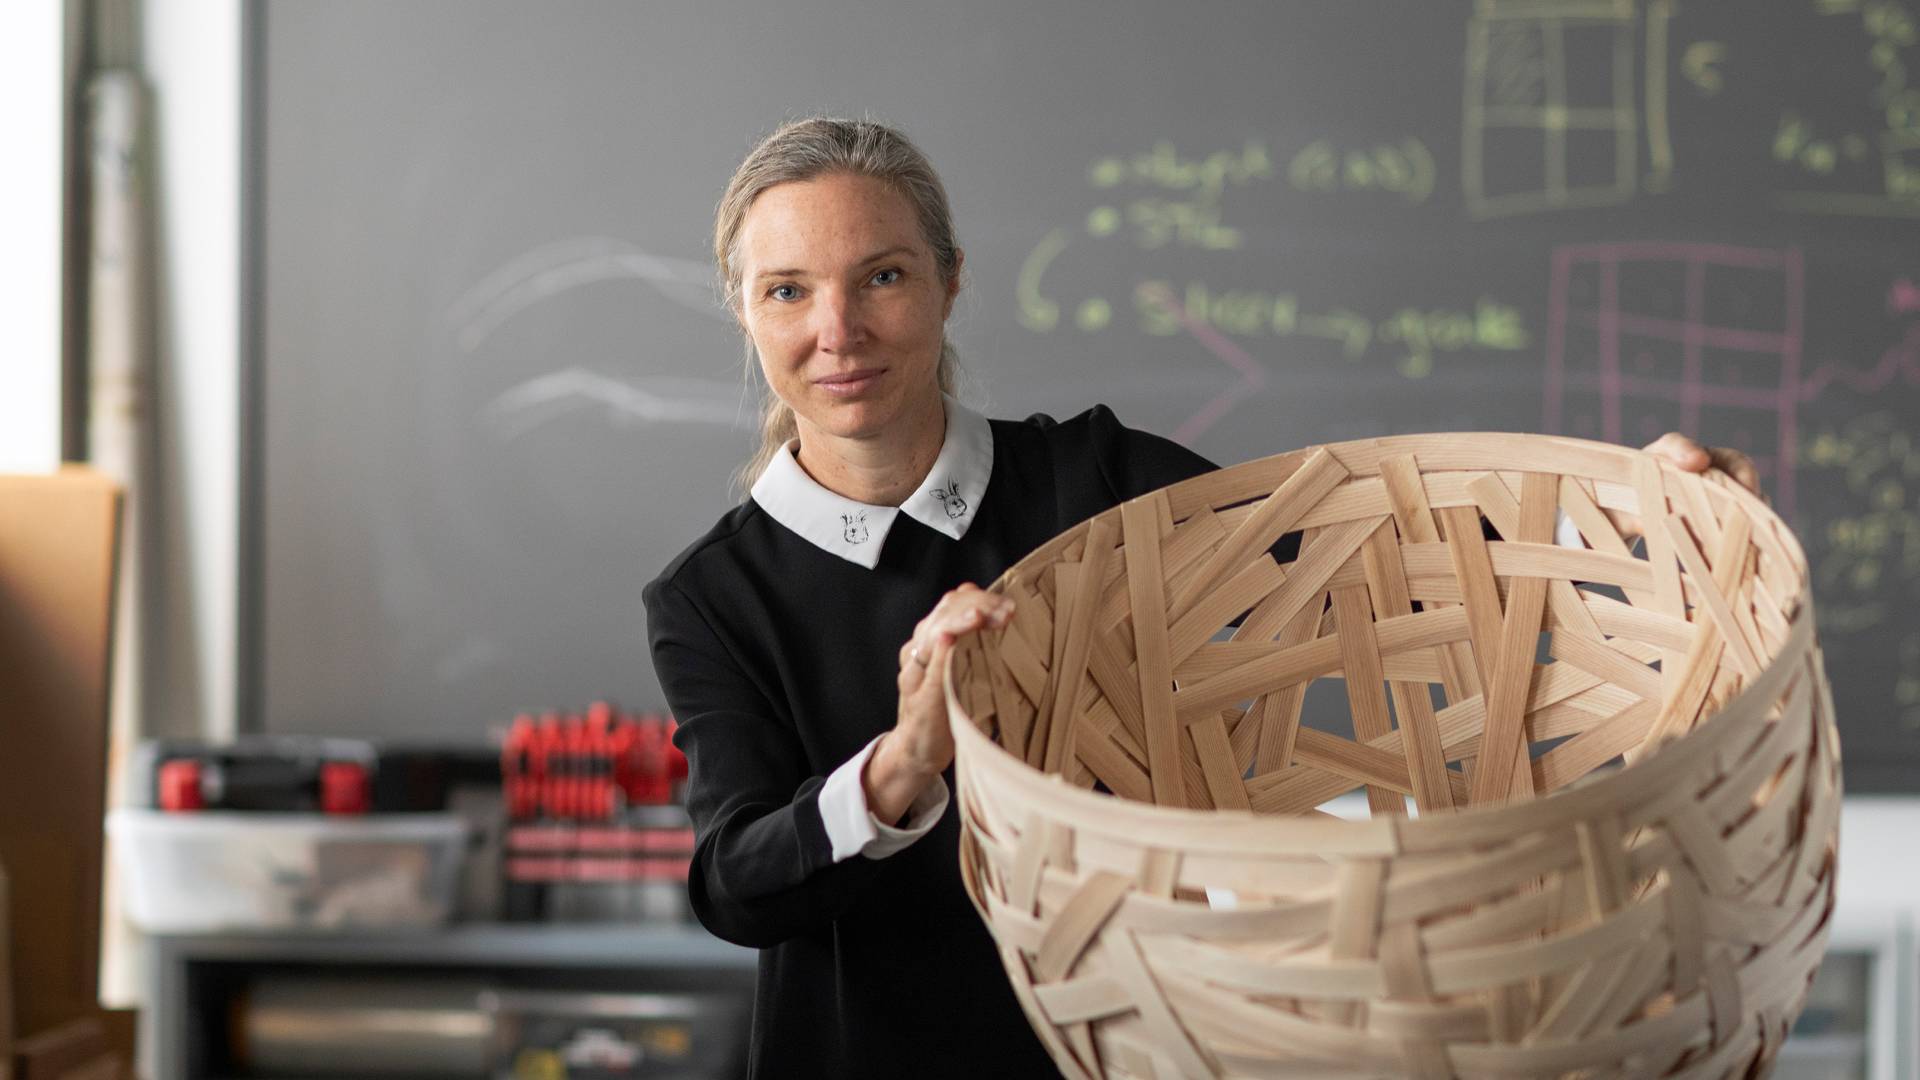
x=856, y=527
x=950, y=497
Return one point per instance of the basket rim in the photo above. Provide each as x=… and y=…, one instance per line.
x=1490, y=450
x=1288, y=834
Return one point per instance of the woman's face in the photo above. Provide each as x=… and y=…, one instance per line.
x=844, y=304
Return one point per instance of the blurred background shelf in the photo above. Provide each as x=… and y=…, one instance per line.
x=222, y=1003
x=480, y=944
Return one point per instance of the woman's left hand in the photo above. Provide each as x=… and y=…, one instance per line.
x=919, y=746
x=1692, y=457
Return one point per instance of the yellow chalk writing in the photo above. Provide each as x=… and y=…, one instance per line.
x=1418, y=334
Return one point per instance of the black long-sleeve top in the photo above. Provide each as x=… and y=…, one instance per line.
x=778, y=659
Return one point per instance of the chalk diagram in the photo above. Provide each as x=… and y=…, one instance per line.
x=1552, y=83
x=1252, y=375
x=1560, y=93
x=1707, y=339
x=1168, y=203
x=1868, y=163
x=551, y=270
x=520, y=521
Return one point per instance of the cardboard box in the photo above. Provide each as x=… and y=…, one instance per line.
x=58, y=541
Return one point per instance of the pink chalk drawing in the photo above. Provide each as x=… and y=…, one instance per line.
x=1903, y=296
x=1900, y=363
x=1253, y=376
x=1647, y=349
x=1595, y=334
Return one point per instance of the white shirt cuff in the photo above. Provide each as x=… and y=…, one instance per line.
x=851, y=827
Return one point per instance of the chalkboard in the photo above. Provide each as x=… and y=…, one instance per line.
x=496, y=392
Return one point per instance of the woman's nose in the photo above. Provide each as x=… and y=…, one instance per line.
x=837, y=320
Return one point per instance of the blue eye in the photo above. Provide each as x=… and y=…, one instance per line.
x=890, y=274
x=784, y=292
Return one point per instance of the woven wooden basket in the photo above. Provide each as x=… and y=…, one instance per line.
x=1603, y=789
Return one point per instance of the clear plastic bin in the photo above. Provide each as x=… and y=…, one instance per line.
x=201, y=872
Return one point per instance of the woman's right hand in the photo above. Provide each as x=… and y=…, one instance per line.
x=920, y=746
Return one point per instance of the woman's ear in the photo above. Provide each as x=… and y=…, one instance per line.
x=953, y=282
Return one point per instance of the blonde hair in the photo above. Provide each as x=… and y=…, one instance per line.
x=804, y=150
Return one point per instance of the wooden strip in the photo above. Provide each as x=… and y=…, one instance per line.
x=1244, y=737
x=1193, y=776
x=1029, y=860
x=1278, y=712
x=1403, y=962
x=1309, y=576
x=1430, y=566
x=1060, y=844
x=1426, y=761
x=1080, y=1041
x=1140, y=522
x=1704, y=848
x=1078, y=1000
x=1330, y=766
x=1276, y=515
x=1498, y=503
x=1467, y=547
x=1606, y=663
x=1130, y=970
x=1423, y=1051
x=1120, y=688
x=1822, y=764
x=1179, y=558
x=1593, y=748
x=1686, y=686
x=1074, y=926
x=1049, y=735
x=1028, y=670
x=1711, y=596
x=1216, y=764
x=1357, y=498
x=1594, y=525
x=1733, y=573
x=1407, y=494
x=1366, y=699
x=1587, y=993
x=1355, y=763
x=1112, y=765
x=1159, y=872
x=1606, y=866
x=1503, y=746
x=1033, y=621
x=1564, y=600
x=1015, y=712
x=1263, y=623
x=1071, y=668
x=1692, y=488
x=1668, y=597
x=1406, y=491
x=1254, y=582
x=1686, y=929
x=1273, y=665
x=1354, y=931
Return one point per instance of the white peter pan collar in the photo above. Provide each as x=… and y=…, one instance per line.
x=945, y=500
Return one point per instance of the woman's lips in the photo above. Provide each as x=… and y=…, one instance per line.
x=850, y=383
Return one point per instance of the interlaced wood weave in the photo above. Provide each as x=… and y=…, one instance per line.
x=1603, y=789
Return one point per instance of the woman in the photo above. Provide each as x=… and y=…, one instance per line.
x=798, y=641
